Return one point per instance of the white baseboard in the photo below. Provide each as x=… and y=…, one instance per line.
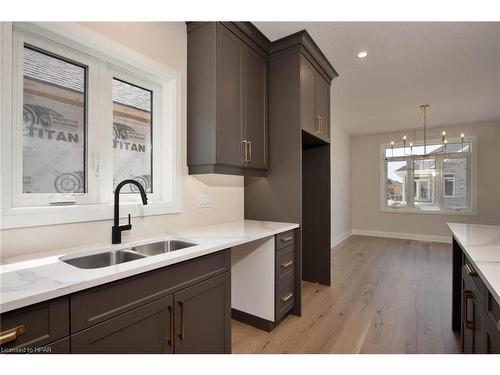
x=404, y=236
x=344, y=236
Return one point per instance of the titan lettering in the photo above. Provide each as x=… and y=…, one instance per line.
x=33, y=131
x=129, y=146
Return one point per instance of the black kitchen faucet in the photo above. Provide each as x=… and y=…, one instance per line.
x=117, y=229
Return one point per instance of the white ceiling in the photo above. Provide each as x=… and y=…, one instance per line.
x=454, y=67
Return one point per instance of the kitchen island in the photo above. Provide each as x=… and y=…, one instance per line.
x=476, y=286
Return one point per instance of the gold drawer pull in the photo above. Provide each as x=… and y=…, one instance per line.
x=286, y=239
x=287, y=264
x=469, y=324
x=498, y=326
x=287, y=297
x=470, y=271
x=11, y=334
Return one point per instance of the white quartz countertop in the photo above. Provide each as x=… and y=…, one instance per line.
x=482, y=245
x=27, y=282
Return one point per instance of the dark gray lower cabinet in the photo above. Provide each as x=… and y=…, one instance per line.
x=34, y=329
x=182, y=308
x=480, y=313
x=146, y=329
x=203, y=317
x=473, y=320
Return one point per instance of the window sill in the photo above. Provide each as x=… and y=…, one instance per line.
x=428, y=212
x=21, y=217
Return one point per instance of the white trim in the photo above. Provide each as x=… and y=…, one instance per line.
x=337, y=240
x=404, y=236
x=101, y=48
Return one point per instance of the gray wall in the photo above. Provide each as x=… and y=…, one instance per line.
x=365, y=192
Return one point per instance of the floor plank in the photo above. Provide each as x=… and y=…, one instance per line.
x=387, y=296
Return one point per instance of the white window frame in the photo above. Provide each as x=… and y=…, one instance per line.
x=107, y=59
x=410, y=208
x=445, y=178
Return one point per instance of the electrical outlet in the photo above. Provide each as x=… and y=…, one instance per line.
x=205, y=200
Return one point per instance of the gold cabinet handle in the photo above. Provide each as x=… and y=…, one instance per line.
x=286, y=239
x=11, y=334
x=316, y=124
x=470, y=271
x=245, y=152
x=498, y=326
x=287, y=297
x=171, y=326
x=181, y=333
x=249, y=151
x=287, y=264
x=469, y=324
x=320, y=125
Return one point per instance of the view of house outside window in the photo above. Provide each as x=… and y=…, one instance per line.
x=439, y=181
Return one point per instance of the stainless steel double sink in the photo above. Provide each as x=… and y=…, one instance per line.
x=113, y=257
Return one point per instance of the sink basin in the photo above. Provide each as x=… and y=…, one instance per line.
x=100, y=260
x=161, y=247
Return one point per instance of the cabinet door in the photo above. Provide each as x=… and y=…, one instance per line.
x=493, y=337
x=229, y=98
x=308, y=116
x=35, y=327
x=473, y=334
x=255, y=108
x=323, y=106
x=146, y=329
x=203, y=317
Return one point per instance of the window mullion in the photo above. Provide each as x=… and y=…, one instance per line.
x=439, y=183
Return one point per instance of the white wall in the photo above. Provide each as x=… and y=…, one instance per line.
x=340, y=179
x=365, y=195
x=165, y=42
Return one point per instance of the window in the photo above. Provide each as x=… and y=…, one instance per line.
x=54, y=102
x=449, y=185
x=132, y=130
x=81, y=121
x=439, y=182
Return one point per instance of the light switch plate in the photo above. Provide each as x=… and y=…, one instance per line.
x=205, y=200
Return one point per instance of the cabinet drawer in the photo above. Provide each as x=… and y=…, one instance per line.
x=146, y=329
x=285, y=239
x=285, y=297
x=285, y=263
x=101, y=303
x=493, y=310
x=39, y=324
x=468, y=268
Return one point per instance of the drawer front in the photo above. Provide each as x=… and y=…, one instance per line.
x=285, y=297
x=468, y=268
x=285, y=239
x=146, y=329
x=98, y=304
x=37, y=325
x=285, y=263
x=493, y=309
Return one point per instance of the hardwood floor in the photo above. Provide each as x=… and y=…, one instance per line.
x=387, y=296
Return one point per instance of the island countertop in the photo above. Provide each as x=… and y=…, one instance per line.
x=27, y=282
x=481, y=243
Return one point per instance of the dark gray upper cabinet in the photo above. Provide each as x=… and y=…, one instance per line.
x=255, y=109
x=229, y=85
x=314, y=101
x=227, y=96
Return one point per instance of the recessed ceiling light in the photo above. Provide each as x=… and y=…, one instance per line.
x=362, y=54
